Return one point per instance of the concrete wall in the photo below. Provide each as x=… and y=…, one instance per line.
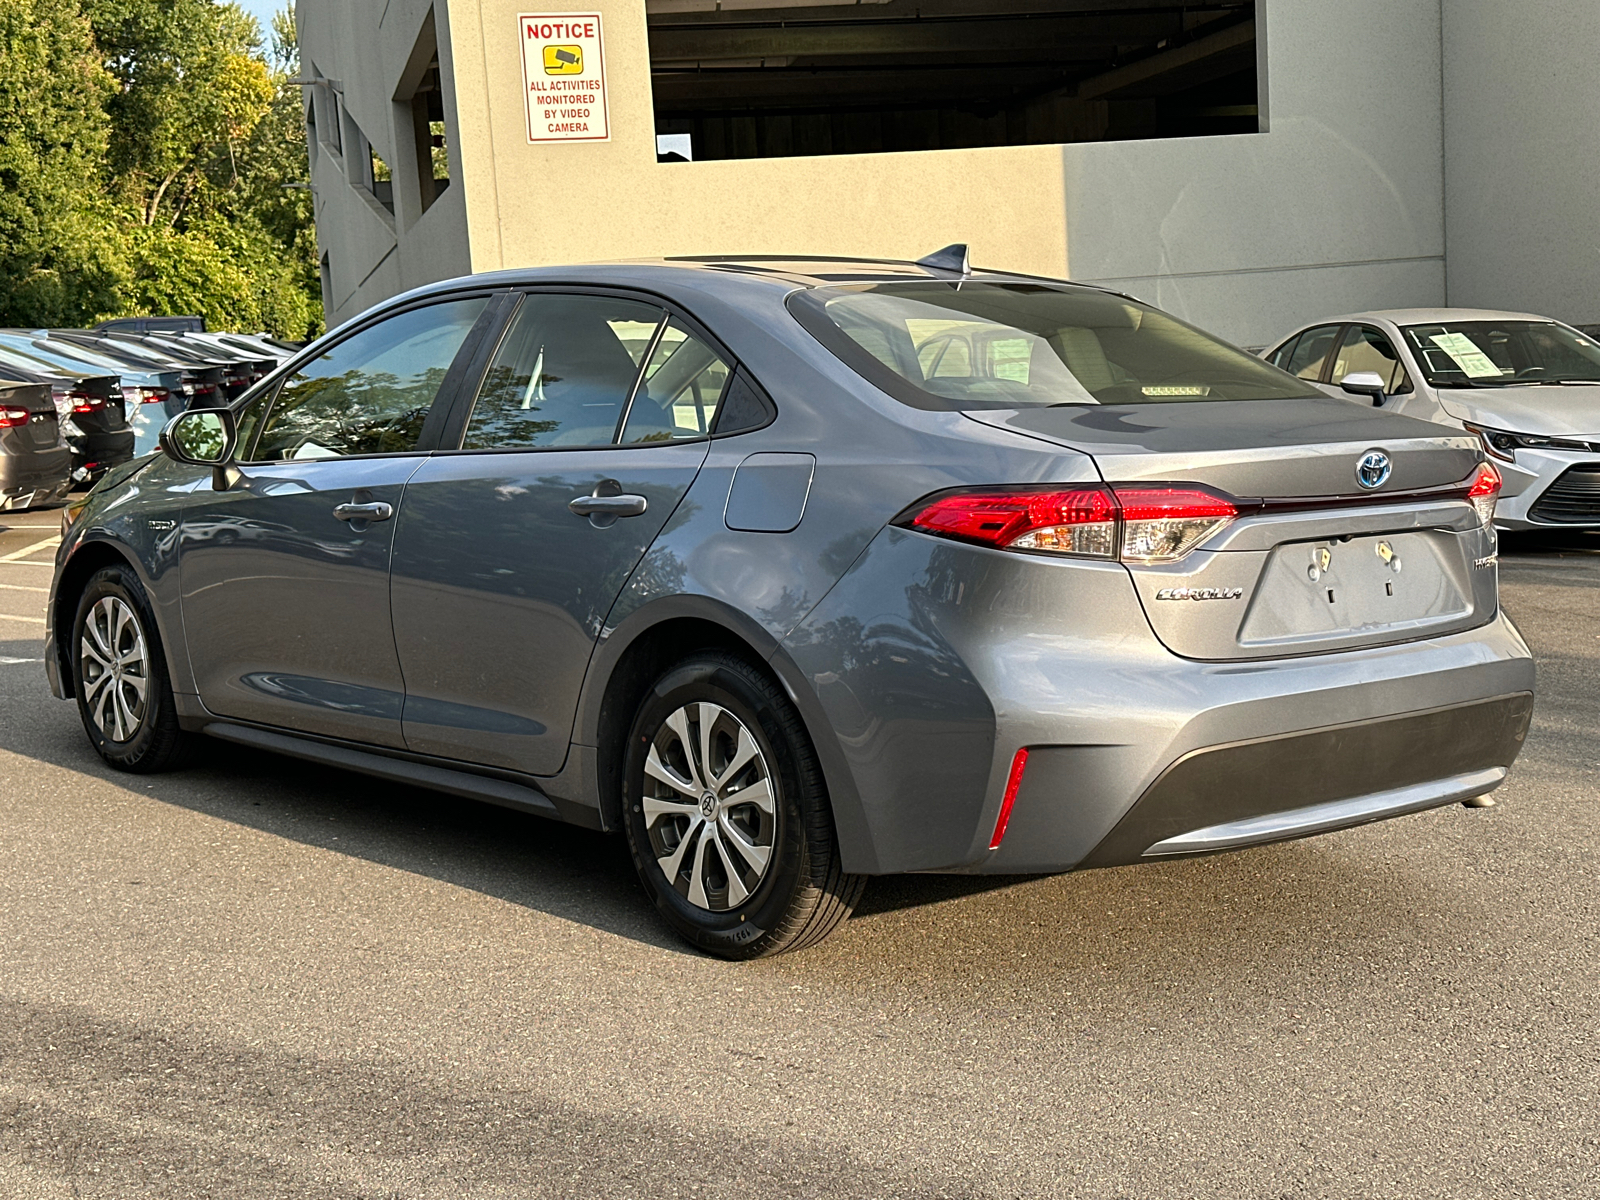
x=1522, y=155
x=577, y=202
x=365, y=48
x=1337, y=206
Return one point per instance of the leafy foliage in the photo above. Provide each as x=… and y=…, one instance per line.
x=145, y=146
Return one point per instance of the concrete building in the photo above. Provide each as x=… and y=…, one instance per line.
x=1245, y=165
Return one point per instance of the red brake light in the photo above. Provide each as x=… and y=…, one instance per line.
x=13, y=418
x=153, y=395
x=1019, y=764
x=1485, y=490
x=1068, y=521
x=1135, y=522
x=83, y=402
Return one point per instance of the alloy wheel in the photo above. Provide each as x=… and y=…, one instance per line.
x=708, y=806
x=114, y=668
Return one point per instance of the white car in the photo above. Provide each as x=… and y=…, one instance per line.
x=1529, y=387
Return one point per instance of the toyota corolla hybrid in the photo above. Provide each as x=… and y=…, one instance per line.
x=800, y=571
x=1527, y=386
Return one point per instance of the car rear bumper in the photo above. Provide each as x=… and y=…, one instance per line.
x=94, y=453
x=1295, y=785
x=971, y=655
x=1302, y=748
x=30, y=480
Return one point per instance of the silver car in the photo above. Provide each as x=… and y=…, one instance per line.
x=795, y=572
x=1527, y=386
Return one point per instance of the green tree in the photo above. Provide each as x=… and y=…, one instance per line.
x=60, y=261
x=206, y=133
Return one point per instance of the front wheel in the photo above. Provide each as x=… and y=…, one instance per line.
x=727, y=815
x=120, y=676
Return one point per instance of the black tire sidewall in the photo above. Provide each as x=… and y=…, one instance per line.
x=123, y=584
x=737, y=688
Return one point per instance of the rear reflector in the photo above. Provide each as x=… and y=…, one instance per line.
x=1019, y=764
x=13, y=418
x=1137, y=523
x=1485, y=490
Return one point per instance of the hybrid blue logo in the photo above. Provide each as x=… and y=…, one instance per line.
x=1372, y=470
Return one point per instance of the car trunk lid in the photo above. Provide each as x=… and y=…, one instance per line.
x=1318, y=559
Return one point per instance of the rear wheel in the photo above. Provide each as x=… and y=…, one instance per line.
x=727, y=816
x=120, y=673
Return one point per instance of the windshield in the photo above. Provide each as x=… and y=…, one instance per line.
x=1502, y=353
x=975, y=345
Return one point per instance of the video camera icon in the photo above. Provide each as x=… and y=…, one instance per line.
x=563, y=60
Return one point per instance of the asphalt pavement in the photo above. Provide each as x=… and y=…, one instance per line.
x=260, y=978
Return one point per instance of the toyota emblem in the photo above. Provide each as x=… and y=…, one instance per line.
x=1372, y=469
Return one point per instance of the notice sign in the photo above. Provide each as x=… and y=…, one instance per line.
x=564, y=77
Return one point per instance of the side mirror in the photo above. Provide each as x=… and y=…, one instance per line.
x=1364, y=383
x=204, y=437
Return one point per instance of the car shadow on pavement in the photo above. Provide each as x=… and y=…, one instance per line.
x=1254, y=899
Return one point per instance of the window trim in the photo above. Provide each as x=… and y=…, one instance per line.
x=455, y=427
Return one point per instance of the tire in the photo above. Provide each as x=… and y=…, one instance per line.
x=784, y=890
x=116, y=627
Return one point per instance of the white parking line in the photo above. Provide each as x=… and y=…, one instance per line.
x=47, y=544
x=22, y=587
x=29, y=620
x=6, y=661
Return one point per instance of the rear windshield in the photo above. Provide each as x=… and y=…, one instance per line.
x=973, y=345
x=1503, y=353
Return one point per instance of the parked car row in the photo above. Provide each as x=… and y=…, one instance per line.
x=108, y=392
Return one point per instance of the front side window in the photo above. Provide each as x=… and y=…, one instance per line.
x=563, y=372
x=371, y=392
x=1311, y=351
x=1501, y=353
x=1367, y=349
x=976, y=344
x=683, y=385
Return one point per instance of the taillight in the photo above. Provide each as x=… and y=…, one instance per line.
x=145, y=395
x=1162, y=524
x=1075, y=521
x=1134, y=522
x=14, y=418
x=83, y=402
x=1484, y=491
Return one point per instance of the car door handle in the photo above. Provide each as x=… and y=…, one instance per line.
x=377, y=511
x=609, y=506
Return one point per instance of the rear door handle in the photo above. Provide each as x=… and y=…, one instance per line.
x=377, y=511
x=609, y=506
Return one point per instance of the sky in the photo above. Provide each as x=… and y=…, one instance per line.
x=262, y=11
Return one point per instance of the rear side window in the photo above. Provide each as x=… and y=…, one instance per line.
x=563, y=373
x=973, y=344
x=683, y=385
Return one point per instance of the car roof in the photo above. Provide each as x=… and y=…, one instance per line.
x=1429, y=316
x=724, y=272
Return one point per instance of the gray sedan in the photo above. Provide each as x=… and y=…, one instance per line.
x=1527, y=386
x=795, y=572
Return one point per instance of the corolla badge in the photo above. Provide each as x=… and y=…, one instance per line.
x=1372, y=469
